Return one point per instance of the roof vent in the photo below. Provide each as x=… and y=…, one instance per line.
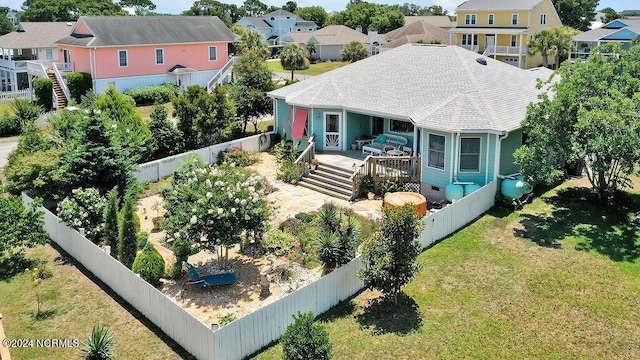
x=69, y=24
x=482, y=61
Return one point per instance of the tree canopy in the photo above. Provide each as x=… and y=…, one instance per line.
x=592, y=120
x=67, y=10
x=292, y=58
x=369, y=16
x=253, y=81
x=577, y=14
x=5, y=25
x=354, y=51
x=228, y=13
x=317, y=14
x=555, y=43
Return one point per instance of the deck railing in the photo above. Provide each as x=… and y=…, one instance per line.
x=6, y=96
x=302, y=162
x=357, y=174
x=58, y=68
x=223, y=71
x=394, y=168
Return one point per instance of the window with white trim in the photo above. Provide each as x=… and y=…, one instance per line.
x=543, y=19
x=213, y=53
x=514, y=40
x=469, y=39
x=123, y=60
x=159, y=56
x=470, y=19
x=514, y=19
x=436, y=151
x=470, y=154
x=491, y=19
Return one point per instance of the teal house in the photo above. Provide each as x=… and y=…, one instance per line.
x=622, y=31
x=459, y=112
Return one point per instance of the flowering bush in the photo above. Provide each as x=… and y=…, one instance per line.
x=238, y=156
x=84, y=209
x=212, y=207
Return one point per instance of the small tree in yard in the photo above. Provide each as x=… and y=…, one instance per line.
x=111, y=222
x=390, y=255
x=311, y=48
x=166, y=137
x=127, y=238
x=43, y=89
x=305, y=339
x=354, y=51
x=212, y=207
x=84, y=208
x=149, y=264
x=592, y=120
x=253, y=81
x=292, y=58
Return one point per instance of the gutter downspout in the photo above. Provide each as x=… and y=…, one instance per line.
x=499, y=139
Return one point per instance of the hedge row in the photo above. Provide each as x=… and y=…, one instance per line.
x=79, y=84
x=153, y=94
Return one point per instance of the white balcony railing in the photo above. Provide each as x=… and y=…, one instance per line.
x=473, y=48
x=505, y=50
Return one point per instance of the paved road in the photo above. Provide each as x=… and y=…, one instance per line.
x=6, y=146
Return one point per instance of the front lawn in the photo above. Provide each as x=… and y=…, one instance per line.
x=558, y=279
x=145, y=111
x=314, y=69
x=72, y=304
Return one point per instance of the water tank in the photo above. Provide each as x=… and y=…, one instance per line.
x=512, y=189
x=528, y=188
x=469, y=188
x=453, y=192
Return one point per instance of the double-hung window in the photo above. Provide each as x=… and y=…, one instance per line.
x=123, y=60
x=436, y=151
x=213, y=53
x=470, y=19
x=543, y=19
x=514, y=19
x=469, y=154
x=159, y=56
x=514, y=41
x=491, y=19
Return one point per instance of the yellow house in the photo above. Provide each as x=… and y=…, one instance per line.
x=502, y=28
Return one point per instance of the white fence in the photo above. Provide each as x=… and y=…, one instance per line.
x=6, y=96
x=446, y=221
x=250, y=333
x=156, y=170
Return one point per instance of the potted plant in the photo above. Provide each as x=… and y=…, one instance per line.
x=313, y=164
x=354, y=146
x=182, y=250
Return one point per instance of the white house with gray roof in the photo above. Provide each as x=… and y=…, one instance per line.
x=276, y=24
x=330, y=40
x=460, y=112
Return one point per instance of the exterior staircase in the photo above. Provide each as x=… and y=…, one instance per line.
x=329, y=180
x=57, y=89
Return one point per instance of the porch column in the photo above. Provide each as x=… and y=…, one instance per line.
x=495, y=46
x=343, y=124
x=312, y=118
x=415, y=140
x=14, y=81
x=520, y=52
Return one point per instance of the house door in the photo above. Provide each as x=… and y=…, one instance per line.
x=489, y=41
x=332, y=131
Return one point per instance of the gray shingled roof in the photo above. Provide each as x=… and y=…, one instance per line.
x=305, y=23
x=497, y=5
x=35, y=35
x=338, y=35
x=258, y=22
x=442, y=21
x=150, y=30
x=599, y=33
x=437, y=87
x=280, y=12
x=417, y=30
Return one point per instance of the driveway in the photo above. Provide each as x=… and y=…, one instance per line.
x=7, y=145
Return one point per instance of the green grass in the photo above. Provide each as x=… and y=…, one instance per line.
x=74, y=304
x=314, y=69
x=6, y=106
x=557, y=280
x=145, y=111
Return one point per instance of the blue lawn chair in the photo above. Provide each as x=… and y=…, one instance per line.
x=209, y=280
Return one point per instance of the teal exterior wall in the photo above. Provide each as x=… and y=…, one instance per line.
x=357, y=125
x=507, y=148
x=492, y=160
x=433, y=176
x=282, y=111
x=486, y=152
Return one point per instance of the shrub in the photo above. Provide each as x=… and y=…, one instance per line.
x=110, y=216
x=174, y=272
x=25, y=110
x=84, y=208
x=154, y=94
x=224, y=320
x=9, y=125
x=305, y=340
x=279, y=242
x=329, y=218
x=181, y=248
x=149, y=264
x=291, y=226
x=365, y=185
x=79, y=84
x=328, y=250
x=304, y=217
x=43, y=272
x=99, y=345
x=239, y=157
x=43, y=88
x=166, y=137
x=127, y=238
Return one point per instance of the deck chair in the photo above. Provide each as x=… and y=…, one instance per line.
x=208, y=280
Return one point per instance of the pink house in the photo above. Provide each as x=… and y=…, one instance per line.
x=136, y=51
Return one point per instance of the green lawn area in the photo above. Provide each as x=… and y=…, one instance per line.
x=5, y=106
x=314, y=69
x=145, y=111
x=556, y=280
x=74, y=304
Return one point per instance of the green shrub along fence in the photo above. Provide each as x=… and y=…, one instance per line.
x=43, y=89
x=79, y=83
x=150, y=95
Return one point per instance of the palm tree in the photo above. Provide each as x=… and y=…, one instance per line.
x=99, y=345
x=543, y=43
x=292, y=58
x=311, y=48
x=562, y=42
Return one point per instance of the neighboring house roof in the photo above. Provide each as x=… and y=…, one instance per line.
x=297, y=37
x=149, y=30
x=603, y=32
x=258, y=22
x=629, y=12
x=306, y=23
x=33, y=35
x=418, y=31
x=442, y=21
x=435, y=86
x=280, y=13
x=498, y=5
x=337, y=35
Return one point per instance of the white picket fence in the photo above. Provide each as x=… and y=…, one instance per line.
x=6, y=96
x=251, y=332
x=158, y=169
